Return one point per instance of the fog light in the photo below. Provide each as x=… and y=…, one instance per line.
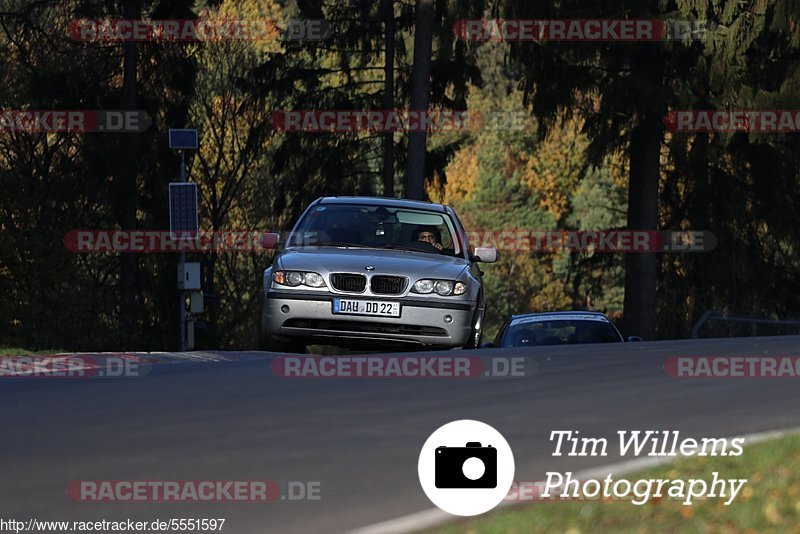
x=285, y=308
x=448, y=319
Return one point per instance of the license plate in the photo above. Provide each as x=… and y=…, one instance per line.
x=366, y=307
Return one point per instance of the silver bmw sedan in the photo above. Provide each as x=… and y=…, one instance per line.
x=374, y=272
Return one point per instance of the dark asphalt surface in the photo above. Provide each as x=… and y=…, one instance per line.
x=359, y=437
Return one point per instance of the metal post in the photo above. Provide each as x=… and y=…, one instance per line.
x=181, y=267
x=699, y=324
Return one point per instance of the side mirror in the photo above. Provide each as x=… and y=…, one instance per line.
x=488, y=345
x=270, y=240
x=485, y=254
x=634, y=338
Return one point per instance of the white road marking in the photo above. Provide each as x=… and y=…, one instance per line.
x=434, y=517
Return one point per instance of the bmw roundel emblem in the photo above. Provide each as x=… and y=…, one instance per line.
x=369, y=268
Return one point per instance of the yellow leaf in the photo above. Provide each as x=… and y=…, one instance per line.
x=771, y=513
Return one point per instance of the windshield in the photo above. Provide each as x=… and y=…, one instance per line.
x=376, y=227
x=558, y=332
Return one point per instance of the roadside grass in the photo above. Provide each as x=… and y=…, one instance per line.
x=768, y=502
x=13, y=351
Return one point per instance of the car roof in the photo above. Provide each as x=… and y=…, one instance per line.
x=544, y=315
x=383, y=201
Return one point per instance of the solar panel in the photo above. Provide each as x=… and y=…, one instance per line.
x=182, y=139
x=183, y=210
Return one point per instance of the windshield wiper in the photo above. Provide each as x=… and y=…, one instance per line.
x=341, y=244
x=405, y=247
x=366, y=245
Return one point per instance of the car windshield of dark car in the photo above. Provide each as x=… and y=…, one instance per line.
x=376, y=227
x=561, y=332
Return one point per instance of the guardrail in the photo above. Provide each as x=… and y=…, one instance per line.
x=709, y=315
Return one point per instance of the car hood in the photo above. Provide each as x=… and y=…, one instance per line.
x=325, y=260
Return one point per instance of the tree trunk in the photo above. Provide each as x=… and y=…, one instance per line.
x=387, y=12
x=700, y=221
x=642, y=267
x=420, y=96
x=126, y=172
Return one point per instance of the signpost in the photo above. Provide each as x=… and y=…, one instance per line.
x=183, y=216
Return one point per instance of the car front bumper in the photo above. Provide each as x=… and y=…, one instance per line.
x=422, y=322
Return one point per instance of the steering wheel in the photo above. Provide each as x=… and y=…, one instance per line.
x=424, y=246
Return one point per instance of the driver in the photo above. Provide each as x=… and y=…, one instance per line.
x=428, y=234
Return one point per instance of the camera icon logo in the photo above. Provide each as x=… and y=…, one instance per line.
x=466, y=467
x=472, y=466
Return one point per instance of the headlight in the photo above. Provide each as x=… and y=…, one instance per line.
x=294, y=278
x=424, y=286
x=313, y=280
x=444, y=288
x=298, y=278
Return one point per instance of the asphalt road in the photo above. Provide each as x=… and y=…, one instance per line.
x=233, y=420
